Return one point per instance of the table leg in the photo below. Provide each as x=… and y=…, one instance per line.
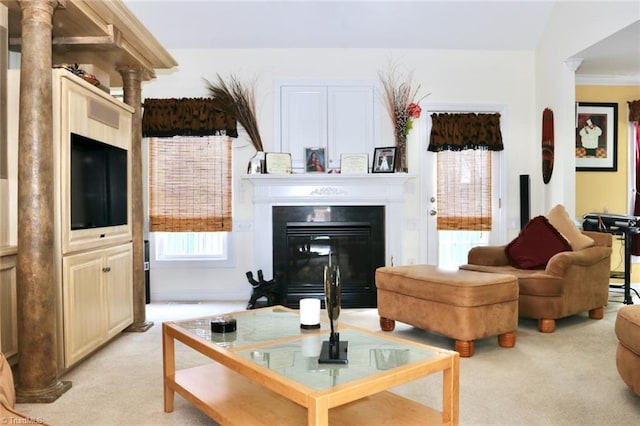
x=318, y=412
x=451, y=391
x=169, y=368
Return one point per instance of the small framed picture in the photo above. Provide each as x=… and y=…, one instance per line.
x=278, y=163
x=315, y=160
x=354, y=164
x=384, y=160
x=596, y=137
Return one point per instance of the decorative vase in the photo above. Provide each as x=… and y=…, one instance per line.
x=256, y=164
x=401, y=154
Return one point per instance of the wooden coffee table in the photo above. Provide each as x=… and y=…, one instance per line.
x=267, y=372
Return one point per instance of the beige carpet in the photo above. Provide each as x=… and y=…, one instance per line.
x=565, y=378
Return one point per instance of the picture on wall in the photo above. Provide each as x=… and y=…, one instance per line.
x=596, y=137
x=315, y=160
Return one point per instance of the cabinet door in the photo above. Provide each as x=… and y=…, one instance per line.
x=84, y=305
x=118, y=265
x=8, y=306
x=350, y=120
x=303, y=123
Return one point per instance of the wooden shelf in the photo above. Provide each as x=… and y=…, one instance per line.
x=105, y=34
x=230, y=398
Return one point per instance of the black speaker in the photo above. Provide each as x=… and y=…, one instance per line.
x=524, y=200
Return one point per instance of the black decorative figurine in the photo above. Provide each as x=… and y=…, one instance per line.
x=333, y=351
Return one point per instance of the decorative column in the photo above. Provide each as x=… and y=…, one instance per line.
x=37, y=377
x=132, y=87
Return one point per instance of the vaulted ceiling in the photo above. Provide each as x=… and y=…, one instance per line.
x=425, y=24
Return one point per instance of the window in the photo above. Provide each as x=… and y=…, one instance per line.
x=190, y=200
x=191, y=249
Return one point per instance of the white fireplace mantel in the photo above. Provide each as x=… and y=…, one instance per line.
x=384, y=189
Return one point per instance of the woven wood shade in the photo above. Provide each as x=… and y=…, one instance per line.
x=464, y=190
x=190, y=185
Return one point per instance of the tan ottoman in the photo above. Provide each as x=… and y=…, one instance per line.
x=463, y=305
x=628, y=353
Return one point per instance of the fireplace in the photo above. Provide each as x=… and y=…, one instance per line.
x=306, y=238
x=384, y=191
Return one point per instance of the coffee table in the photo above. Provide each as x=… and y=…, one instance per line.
x=267, y=372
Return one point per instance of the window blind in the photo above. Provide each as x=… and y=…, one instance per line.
x=190, y=184
x=464, y=190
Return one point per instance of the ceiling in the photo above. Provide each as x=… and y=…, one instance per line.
x=425, y=24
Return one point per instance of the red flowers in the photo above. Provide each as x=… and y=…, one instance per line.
x=414, y=110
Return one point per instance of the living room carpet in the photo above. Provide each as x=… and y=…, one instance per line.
x=567, y=377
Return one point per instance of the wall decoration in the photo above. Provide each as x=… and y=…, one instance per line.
x=384, y=159
x=315, y=160
x=547, y=145
x=596, y=137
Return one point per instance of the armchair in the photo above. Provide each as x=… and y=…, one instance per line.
x=571, y=282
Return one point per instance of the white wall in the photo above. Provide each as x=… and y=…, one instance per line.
x=452, y=77
x=565, y=35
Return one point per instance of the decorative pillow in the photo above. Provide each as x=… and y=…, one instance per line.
x=536, y=244
x=559, y=219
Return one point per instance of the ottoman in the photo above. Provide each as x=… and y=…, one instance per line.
x=628, y=352
x=463, y=305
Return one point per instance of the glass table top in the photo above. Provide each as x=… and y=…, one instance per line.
x=295, y=352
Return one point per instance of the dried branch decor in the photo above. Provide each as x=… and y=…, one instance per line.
x=238, y=99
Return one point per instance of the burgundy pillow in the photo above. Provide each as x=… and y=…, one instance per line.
x=536, y=244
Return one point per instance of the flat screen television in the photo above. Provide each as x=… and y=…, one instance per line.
x=98, y=184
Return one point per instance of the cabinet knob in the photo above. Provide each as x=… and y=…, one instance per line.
x=106, y=269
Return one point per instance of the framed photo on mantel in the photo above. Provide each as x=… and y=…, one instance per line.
x=314, y=160
x=384, y=160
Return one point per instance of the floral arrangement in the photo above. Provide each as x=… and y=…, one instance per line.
x=401, y=100
x=238, y=99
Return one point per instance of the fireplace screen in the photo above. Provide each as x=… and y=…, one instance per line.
x=302, y=249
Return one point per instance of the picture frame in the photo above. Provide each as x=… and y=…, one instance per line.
x=354, y=164
x=314, y=160
x=384, y=160
x=277, y=163
x=596, y=137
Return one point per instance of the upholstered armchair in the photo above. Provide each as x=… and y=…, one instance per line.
x=572, y=281
x=8, y=397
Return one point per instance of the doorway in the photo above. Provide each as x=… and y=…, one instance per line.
x=448, y=248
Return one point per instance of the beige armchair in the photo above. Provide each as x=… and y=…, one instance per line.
x=8, y=397
x=572, y=281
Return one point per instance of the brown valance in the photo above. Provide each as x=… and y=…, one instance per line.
x=186, y=117
x=460, y=131
x=634, y=111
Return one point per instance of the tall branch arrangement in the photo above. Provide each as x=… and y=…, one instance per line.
x=238, y=99
x=401, y=100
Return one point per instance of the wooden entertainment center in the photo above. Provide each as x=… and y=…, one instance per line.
x=77, y=285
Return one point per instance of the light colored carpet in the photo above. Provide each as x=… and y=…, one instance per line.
x=568, y=377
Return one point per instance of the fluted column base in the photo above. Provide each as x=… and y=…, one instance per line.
x=46, y=395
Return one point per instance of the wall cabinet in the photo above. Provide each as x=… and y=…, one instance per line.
x=340, y=119
x=97, y=298
x=8, y=305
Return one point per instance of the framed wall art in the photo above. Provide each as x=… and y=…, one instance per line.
x=315, y=160
x=596, y=137
x=384, y=160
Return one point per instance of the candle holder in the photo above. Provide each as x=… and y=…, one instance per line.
x=334, y=351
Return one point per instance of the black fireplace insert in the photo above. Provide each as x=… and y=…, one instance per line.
x=306, y=238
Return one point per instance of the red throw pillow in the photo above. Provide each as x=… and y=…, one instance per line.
x=536, y=244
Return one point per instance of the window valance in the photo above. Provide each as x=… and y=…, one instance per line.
x=461, y=131
x=186, y=117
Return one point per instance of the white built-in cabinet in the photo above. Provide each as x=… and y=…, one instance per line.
x=93, y=267
x=339, y=118
x=97, y=298
x=8, y=304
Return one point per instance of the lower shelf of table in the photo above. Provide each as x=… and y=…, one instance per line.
x=229, y=398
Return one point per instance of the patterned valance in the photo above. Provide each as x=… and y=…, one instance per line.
x=634, y=111
x=186, y=117
x=460, y=131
